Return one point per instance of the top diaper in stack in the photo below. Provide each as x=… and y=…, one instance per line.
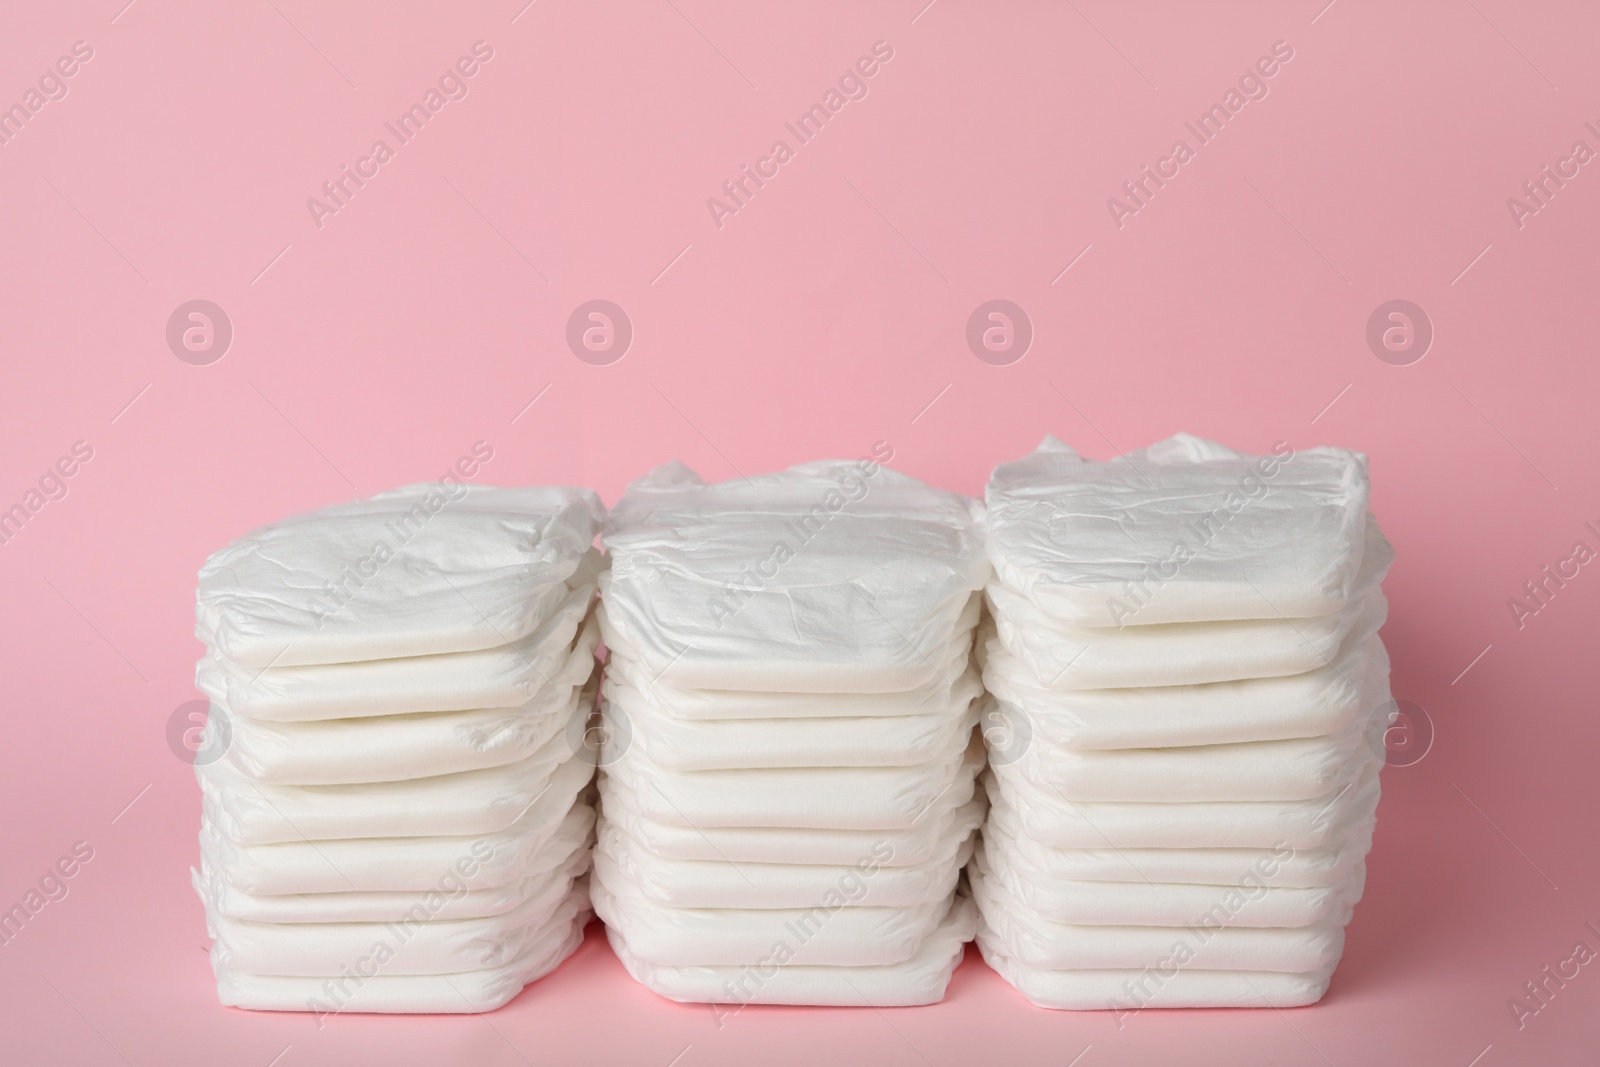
x=1185, y=665
x=789, y=794
x=402, y=820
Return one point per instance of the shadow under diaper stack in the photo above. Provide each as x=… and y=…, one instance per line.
x=788, y=790
x=402, y=819
x=1189, y=698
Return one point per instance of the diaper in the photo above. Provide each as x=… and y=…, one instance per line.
x=1183, y=531
x=780, y=977
x=505, y=676
x=418, y=571
x=827, y=578
x=820, y=935
x=469, y=991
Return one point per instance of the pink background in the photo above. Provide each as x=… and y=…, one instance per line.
x=827, y=314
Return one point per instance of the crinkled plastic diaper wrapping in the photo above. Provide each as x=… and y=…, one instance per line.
x=501, y=677
x=1187, y=727
x=1186, y=530
x=417, y=571
x=404, y=821
x=789, y=795
x=827, y=578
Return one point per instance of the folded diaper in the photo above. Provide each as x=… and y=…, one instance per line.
x=774, y=979
x=422, y=942
x=505, y=676
x=621, y=862
x=447, y=805
x=391, y=748
x=369, y=988
x=1298, y=769
x=1280, y=865
x=1320, y=701
x=399, y=863
x=1015, y=930
x=1164, y=984
x=1183, y=531
x=1188, y=653
x=952, y=682
x=829, y=577
x=1047, y=817
x=679, y=745
x=820, y=934
x=1160, y=904
x=427, y=569
x=955, y=814
x=447, y=896
x=847, y=798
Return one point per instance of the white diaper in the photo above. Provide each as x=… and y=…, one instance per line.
x=953, y=682
x=446, y=898
x=953, y=815
x=620, y=861
x=827, y=578
x=1180, y=653
x=418, y=943
x=469, y=991
x=505, y=676
x=1183, y=531
x=686, y=745
x=1317, y=702
x=1282, y=865
x=1298, y=769
x=821, y=935
x=1165, y=984
x=1049, y=818
x=835, y=798
x=1162, y=904
x=920, y=979
x=1014, y=930
x=390, y=748
x=417, y=571
x=447, y=805
x=397, y=863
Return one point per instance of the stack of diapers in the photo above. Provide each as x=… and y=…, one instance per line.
x=403, y=819
x=788, y=792
x=1185, y=669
